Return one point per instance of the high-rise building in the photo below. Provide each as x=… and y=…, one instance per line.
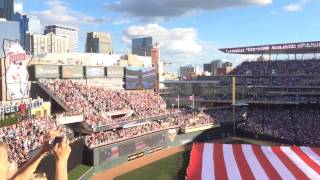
x=28, y=24
x=155, y=61
x=50, y=43
x=155, y=55
x=184, y=70
x=6, y=9
x=142, y=46
x=70, y=33
x=212, y=66
x=226, y=64
x=99, y=42
x=9, y=30
x=187, y=72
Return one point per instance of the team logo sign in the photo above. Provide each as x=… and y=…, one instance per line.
x=17, y=74
x=172, y=133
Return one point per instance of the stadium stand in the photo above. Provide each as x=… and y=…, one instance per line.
x=134, y=114
x=26, y=136
x=297, y=125
x=281, y=67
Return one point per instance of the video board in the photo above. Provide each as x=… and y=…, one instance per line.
x=140, y=78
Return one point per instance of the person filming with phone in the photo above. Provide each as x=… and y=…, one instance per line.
x=51, y=142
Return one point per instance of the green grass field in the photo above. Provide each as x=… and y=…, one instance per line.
x=78, y=172
x=175, y=166
x=169, y=168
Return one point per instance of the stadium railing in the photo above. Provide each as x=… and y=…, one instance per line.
x=121, y=124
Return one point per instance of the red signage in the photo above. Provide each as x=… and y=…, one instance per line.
x=16, y=54
x=22, y=107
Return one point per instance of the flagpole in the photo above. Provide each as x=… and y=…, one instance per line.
x=178, y=101
x=193, y=102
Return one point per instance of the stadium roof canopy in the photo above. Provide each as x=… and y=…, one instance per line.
x=311, y=47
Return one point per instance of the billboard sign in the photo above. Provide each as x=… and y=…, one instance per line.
x=115, y=72
x=46, y=71
x=16, y=72
x=72, y=72
x=69, y=119
x=276, y=48
x=7, y=109
x=132, y=146
x=94, y=72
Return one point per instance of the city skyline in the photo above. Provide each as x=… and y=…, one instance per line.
x=189, y=33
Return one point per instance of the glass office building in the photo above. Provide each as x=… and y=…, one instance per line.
x=6, y=9
x=28, y=24
x=142, y=46
x=9, y=30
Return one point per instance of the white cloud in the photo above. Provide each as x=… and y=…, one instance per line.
x=59, y=12
x=165, y=9
x=181, y=45
x=18, y=7
x=180, y=41
x=298, y=6
x=293, y=7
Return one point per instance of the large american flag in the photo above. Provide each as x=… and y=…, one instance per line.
x=235, y=161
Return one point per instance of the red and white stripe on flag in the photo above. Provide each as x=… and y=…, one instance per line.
x=191, y=98
x=235, y=161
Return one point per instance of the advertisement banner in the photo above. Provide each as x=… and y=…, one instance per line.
x=17, y=74
x=20, y=107
x=72, y=72
x=109, y=153
x=132, y=146
x=115, y=72
x=69, y=119
x=94, y=72
x=46, y=72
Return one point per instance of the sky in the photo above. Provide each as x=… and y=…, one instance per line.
x=189, y=31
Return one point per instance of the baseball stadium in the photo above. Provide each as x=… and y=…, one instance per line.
x=260, y=121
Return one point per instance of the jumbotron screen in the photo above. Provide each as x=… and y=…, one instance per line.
x=140, y=78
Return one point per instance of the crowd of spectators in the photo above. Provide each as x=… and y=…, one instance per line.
x=259, y=98
x=272, y=80
x=280, y=67
x=296, y=125
x=96, y=102
x=27, y=136
x=176, y=121
x=279, y=73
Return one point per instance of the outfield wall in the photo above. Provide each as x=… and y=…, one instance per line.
x=112, y=155
x=109, y=156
